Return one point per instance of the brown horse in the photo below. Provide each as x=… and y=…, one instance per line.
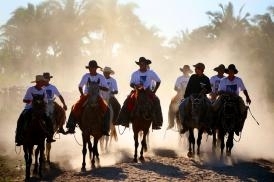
x=226, y=119
x=196, y=113
x=91, y=124
x=58, y=118
x=34, y=134
x=142, y=116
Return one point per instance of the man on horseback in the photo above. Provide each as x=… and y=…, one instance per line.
x=77, y=109
x=113, y=90
x=180, y=87
x=26, y=115
x=215, y=81
x=142, y=78
x=232, y=85
x=51, y=91
x=198, y=84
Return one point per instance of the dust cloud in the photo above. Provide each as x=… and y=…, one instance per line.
x=256, y=141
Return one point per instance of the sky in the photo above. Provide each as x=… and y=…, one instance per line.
x=169, y=16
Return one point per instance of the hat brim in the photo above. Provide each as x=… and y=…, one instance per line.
x=147, y=62
x=186, y=70
x=219, y=69
x=235, y=71
x=92, y=67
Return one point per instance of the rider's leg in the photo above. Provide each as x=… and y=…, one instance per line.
x=182, y=110
x=50, y=130
x=158, y=121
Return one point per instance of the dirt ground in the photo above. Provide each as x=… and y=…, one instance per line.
x=159, y=165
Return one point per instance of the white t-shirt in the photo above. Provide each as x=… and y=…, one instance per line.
x=51, y=91
x=181, y=82
x=97, y=78
x=144, y=78
x=234, y=86
x=214, y=82
x=34, y=91
x=112, y=86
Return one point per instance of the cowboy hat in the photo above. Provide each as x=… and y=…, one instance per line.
x=38, y=78
x=107, y=69
x=221, y=67
x=186, y=68
x=231, y=67
x=143, y=60
x=47, y=75
x=92, y=64
x=199, y=65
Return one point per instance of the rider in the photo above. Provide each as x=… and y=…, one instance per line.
x=77, y=109
x=26, y=114
x=232, y=85
x=142, y=78
x=180, y=87
x=197, y=84
x=51, y=91
x=113, y=89
x=215, y=81
x=181, y=82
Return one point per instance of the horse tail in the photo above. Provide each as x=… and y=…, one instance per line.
x=114, y=133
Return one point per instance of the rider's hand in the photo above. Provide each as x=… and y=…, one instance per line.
x=248, y=100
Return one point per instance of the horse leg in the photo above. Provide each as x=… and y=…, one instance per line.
x=144, y=146
x=36, y=153
x=222, y=136
x=214, y=140
x=95, y=152
x=199, y=139
x=48, y=148
x=90, y=151
x=136, y=146
x=41, y=158
x=229, y=143
x=28, y=161
x=84, y=152
x=191, y=143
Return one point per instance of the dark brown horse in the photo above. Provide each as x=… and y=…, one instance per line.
x=91, y=124
x=58, y=118
x=226, y=119
x=196, y=114
x=35, y=135
x=142, y=116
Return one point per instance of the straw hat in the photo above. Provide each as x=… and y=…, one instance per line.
x=186, y=68
x=107, y=69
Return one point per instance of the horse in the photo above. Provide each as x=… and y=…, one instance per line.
x=91, y=123
x=227, y=117
x=115, y=108
x=173, y=111
x=58, y=117
x=196, y=113
x=35, y=134
x=142, y=116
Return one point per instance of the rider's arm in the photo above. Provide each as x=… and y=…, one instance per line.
x=81, y=90
x=156, y=87
x=63, y=102
x=247, y=97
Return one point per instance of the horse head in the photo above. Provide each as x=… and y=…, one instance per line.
x=38, y=103
x=143, y=107
x=93, y=92
x=198, y=106
x=229, y=112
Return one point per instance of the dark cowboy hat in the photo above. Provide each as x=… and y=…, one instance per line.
x=47, y=75
x=143, y=60
x=92, y=64
x=186, y=68
x=199, y=65
x=221, y=67
x=231, y=67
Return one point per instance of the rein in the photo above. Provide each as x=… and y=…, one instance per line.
x=253, y=116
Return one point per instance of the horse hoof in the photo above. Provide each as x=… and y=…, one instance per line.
x=142, y=159
x=190, y=154
x=135, y=160
x=83, y=169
